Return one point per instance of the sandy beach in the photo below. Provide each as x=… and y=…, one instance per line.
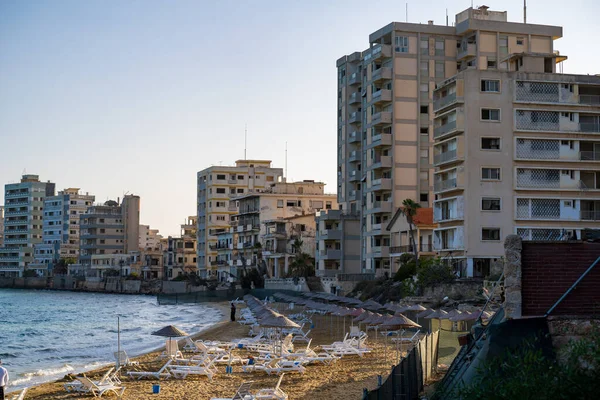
x=344, y=379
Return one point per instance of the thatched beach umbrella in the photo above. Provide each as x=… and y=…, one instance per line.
x=278, y=321
x=371, y=305
x=425, y=312
x=170, y=332
x=398, y=321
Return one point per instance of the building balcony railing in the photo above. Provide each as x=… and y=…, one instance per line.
x=381, y=184
x=378, y=52
x=447, y=184
x=587, y=215
x=16, y=194
x=354, y=137
x=467, y=50
x=423, y=248
x=354, y=98
x=354, y=176
x=330, y=254
x=445, y=157
x=444, y=102
x=445, y=129
x=354, y=118
x=383, y=73
x=354, y=156
x=381, y=207
x=589, y=155
x=354, y=79
x=353, y=195
x=330, y=234
x=381, y=96
x=382, y=118
x=381, y=139
x=382, y=162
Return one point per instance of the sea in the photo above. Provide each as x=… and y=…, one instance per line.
x=45, y=335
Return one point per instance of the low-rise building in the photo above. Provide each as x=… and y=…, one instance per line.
x=180, y=256
x=399, y=229
x=337, y=243
x=149, y=238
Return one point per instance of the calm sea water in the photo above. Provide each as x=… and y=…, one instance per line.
x=47, y=334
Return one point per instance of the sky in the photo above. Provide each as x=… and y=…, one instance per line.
x=123, y=96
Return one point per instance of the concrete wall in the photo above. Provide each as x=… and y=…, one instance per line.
x=550, y=268
x=287, y=284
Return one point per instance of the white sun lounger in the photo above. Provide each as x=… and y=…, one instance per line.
x=19, y=395
x=272, y=394
x=99, y=390
x=109, y=377
x=182, y=371
x=242, y=393
x=123, y=359
x=161, y=373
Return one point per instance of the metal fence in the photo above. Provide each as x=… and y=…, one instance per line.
x=216, y=295
x=405, y=382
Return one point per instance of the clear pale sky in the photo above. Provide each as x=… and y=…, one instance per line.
x=137, y=96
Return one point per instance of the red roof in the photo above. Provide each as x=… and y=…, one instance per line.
x=424, y=216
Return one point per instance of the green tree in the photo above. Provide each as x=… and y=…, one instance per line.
x=409, y=209
x=62, y=266
x=303, y=265
x=431, y=271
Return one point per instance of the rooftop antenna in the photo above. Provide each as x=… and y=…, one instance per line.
x=245, y=140
x=406, y=12
x=285, y=161
x=446, y=17
x=524, y=11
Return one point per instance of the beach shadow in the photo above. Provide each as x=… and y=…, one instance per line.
x=446, y=351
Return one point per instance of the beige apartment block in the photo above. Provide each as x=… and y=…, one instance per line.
x=386, y=110
x=190, y=227
x=517, y=146
x=149, y=238
x=217, y=185
x=338, y=245
x=111, y=228
x=244, y=244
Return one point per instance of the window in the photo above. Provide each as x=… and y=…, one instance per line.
x=488, y=85
x=279, y=203
x=424, y=197
x=240, y=177
x=328, y=205
x=490, y=204
x=519, y=41
x=221, y=177
x=294, y=203
x=488, y=143
x=221, y=190
x=439, y=47
x=424, y=109
x=219, y=204
x=220, y=218
x=240, y=190
x=424, y=46
x=270, y=178
x=424, y=87
x=491, y=63
x=490, y=233
x=401, y=44
x=490, y=174
x=424, y=68
x=503, y=44
x=440, y=69
x=490, y=114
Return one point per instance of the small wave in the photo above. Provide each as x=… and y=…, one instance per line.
x=9, y=355
x=28, y=376
x=46, y=350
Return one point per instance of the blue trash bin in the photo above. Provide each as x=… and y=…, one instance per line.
x=156, y=389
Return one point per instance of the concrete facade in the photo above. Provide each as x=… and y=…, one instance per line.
x=386, y=121
x=517, y=152
x=217, y=185
x=338, y=243
x=23, y=226
x=1, y=226
x=111, y=228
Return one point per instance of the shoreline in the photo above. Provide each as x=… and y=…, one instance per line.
x=221, y=307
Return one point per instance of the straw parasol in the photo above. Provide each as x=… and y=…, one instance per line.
x=170, y=332
x=396, y=322
x=278, y=321
x=425, y=313
x=417, y=308
x=371, y=305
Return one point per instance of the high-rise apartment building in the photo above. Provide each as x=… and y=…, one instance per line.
x=111, y=228
x=23, y=211
x=338, y=244
x=517, y=145
x=60, y=236
x=216, y=186
x=1, y=226
x=386, y=121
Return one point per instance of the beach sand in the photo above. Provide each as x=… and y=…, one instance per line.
x=342, y=380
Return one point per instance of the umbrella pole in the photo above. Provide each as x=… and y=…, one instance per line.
x=118, y=342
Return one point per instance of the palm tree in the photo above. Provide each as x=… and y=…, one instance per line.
x=409, y=209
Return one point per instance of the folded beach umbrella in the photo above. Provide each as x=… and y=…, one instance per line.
x=400, y=321
x=371, y=305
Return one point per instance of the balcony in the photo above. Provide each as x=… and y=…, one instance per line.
x=467, y=50
x=378, y=52
x=444, y=185
x=445, y=157
x=354, y=137
x=354, y=156
x=555, y=93
x=554, y=121
x=382, y=162
x=354, y=79
x=381, y=96
x=423, y=248
x=381, y=139
x=557, y=179
x=587, y=215
x=330, y=234
x=330, y=254
x=353, y=195
x=383, y=73
x=381, y=118
x=355, y=117
x=381, y=184
x=354, y=98
x=547, y=149
x=443, y=102
x=589, y=155
x=380, y=251
x=380, y=207
x=354, y=176
x=16, y=194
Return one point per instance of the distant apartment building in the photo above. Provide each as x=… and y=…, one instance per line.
x=180, y=256
x=23, y=226
x=248, y=243
x=1, y=226
x=386, y=124
x=110, y=228
x=190, y=227
x=400, y=236
x=217, y=185
x=517, y=145
x=60, y=236
x=149, y=238
x=338, y=244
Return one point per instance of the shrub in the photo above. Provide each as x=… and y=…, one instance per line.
x=406, y=271
x=432, y=272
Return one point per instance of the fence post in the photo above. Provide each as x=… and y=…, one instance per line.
x=365, y=394
x=393, y=383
